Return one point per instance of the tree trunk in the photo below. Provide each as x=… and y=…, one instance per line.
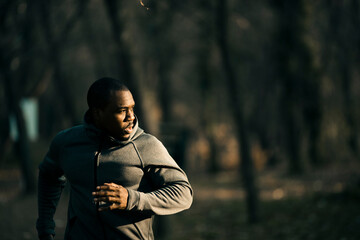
x=347, y=59
x=205, y=82
x=22, y=143
x=247, y=168
x=13, y=93
x=55, y=47
x=124, y=59
x=163, y=55
x=301, y=92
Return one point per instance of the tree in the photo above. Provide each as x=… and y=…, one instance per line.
x=300, y=109
x=12, y=80
x=55, y=49
x=237, y=111
x=124, y=56
x=343, y=46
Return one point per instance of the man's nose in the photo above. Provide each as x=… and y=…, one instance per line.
x=130, y=115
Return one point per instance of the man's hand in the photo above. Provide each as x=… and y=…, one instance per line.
x=112, y=195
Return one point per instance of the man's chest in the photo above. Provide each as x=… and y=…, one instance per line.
x=83, y=165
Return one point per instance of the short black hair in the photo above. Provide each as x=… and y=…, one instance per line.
x=100, y=91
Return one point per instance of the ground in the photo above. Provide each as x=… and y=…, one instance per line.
x=319, y=205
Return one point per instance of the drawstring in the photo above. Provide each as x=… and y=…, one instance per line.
x=96, y=165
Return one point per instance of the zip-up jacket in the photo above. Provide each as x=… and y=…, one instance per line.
x=85, y=157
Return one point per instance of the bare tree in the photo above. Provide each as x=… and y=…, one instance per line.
x=237, y=111
x=206, y=85
x=124, y=56
x=344, y=19
x=163, y=51
x=300, y=103
x=55, y=48
x=12, y=82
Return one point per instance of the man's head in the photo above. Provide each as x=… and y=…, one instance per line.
x=111, y=106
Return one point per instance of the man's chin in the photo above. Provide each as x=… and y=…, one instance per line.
x=125, y=135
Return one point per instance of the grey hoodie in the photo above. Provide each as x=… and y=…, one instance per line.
x=86, y=158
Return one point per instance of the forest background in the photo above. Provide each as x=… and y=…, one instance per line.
x=257, y=100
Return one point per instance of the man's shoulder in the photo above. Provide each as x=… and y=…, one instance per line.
x=147, y=138
x=153, y=151
x=149, y=142
x=70, y=133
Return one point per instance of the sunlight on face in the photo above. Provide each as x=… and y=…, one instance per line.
x=118, y=118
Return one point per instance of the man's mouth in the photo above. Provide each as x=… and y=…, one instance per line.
x=129, y=128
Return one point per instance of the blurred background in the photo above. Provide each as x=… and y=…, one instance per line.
x=257, y=100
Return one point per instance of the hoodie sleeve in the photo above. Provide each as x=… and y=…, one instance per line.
x=50, y=184
x=171, y=193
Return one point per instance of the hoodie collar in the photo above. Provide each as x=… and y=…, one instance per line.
x=89, y=125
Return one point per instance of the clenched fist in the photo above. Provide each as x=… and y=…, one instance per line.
x=111, y=195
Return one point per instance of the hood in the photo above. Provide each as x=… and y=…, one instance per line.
x=89, y=125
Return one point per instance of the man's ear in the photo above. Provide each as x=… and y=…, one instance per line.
x=96, y=113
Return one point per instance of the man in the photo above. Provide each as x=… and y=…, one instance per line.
x=119, y=176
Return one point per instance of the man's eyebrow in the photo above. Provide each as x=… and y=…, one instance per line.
x=121, y=107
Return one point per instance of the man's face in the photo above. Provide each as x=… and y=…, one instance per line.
x=117, y=118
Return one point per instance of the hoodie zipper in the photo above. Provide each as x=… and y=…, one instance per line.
x=96, y=166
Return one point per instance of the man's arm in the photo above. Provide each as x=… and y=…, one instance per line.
x=166, y=200
x=50, y=184
x=172, y=191
x=49, y=192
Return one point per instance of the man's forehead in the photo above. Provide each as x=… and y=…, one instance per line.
x=122, y=98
